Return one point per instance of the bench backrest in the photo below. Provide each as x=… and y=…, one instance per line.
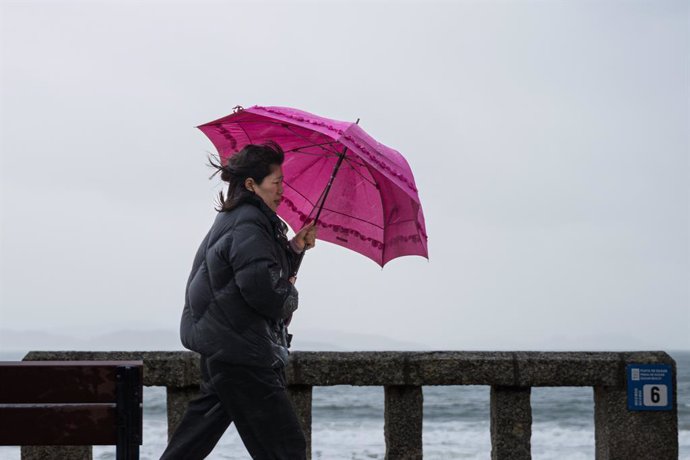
x=71, y=403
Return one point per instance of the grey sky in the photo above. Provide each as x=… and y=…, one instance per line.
x=549, y=142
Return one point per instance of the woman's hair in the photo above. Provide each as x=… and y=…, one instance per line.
x=255, y=161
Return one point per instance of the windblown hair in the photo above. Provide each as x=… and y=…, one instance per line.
x=255, y=161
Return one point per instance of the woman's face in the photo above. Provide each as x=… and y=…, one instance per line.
x=271, y=188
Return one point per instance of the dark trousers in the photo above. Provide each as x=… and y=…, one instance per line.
x=255, y=399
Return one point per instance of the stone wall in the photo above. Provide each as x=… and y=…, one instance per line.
x=619, y=433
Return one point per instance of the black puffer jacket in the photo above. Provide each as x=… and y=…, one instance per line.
x=238, y=294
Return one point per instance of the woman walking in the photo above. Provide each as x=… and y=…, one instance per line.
x=240, y=297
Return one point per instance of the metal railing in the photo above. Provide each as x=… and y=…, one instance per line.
x=619, y=433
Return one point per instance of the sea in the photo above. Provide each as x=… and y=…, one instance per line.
x=347, y=422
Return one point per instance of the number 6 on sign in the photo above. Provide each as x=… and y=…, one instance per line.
x=655, y=395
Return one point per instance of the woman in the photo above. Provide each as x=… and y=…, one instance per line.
x=239, y=299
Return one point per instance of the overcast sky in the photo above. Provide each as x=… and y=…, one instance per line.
x=549, y=141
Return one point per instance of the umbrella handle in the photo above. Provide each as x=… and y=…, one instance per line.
x=298, y=262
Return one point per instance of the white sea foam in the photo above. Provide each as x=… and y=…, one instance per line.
x=456, y=440
x=551, y=441
x=336, y=440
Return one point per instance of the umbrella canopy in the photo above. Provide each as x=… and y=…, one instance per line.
x=373, y=207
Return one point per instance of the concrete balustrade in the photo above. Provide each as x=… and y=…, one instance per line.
x=619, y=433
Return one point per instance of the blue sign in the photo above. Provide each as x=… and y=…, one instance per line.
x=650, y=387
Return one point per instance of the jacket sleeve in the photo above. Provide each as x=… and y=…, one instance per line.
x=257, y=272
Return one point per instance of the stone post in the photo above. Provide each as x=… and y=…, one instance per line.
x=621, y=434
x=301, y=395
x=511, y=423
x=404, y=405
x=177, y=399
x=55, y=452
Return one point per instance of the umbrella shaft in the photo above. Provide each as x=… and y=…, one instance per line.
x=330, y=183
x=318, y=213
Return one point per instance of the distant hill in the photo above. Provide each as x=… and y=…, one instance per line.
x=116, y=340
x=324, y=340
x=158, y=339
x=308, y=340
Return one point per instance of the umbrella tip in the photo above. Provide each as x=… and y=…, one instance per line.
x=357, y=122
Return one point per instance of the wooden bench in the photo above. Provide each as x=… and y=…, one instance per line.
x=72, y=403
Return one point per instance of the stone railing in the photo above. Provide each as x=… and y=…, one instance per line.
x=619, y=433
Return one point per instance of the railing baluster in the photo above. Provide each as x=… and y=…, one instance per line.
x=403, y=422
x=301, y=396
x=177, y=400
x=511, y=423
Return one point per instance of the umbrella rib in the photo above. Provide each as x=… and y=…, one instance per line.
x=349, y=159
x=329, y=154
x=289, y=128
x=281, y=124
x=311, y=154
x=286, y=126
x=296, y=149
x=361, y=175
x=245, y=131
x=327, y=209
x=312, y=145
x=353, y=160
x=300, y=194
x=403, y=221
x=314, y=205
x=263, y=122
x=352, y=217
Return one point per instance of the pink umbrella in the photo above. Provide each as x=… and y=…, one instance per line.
x=361, y=193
